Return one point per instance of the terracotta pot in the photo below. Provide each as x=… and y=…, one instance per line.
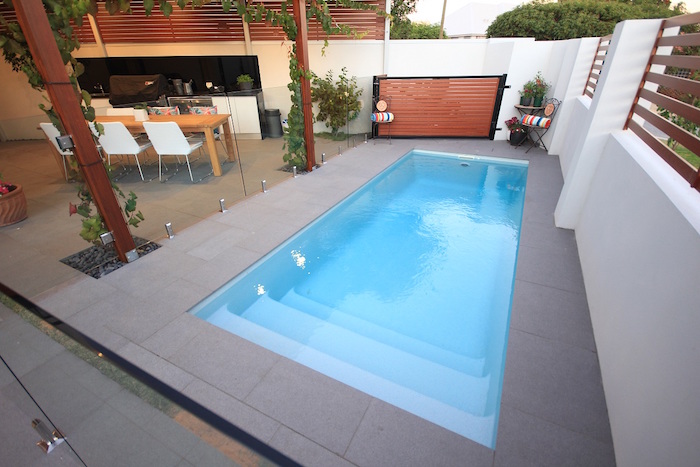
x=13, y=207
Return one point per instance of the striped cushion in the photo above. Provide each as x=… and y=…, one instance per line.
x=383, y=117
x=164, y=110
x=534, y=120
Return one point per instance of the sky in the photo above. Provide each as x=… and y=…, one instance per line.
x=430, y=11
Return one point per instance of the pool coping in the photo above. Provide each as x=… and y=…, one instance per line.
x=140, y=312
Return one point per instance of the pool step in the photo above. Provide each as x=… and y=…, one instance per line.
x=461, y=363
x=466, y=392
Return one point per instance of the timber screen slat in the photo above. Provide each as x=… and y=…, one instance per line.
x=434, y=107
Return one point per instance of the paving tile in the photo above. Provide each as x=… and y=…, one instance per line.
x=560, y=270
x=305, y=451
x=552, y=313
x=108, y=438
x=169, y=339
x=55, y=387
x=223, y=267
x=231, y=364
x=556, y=382
x=211, y=248
x=142, y=277
x=389, y=436
x=243, y=416
x=316, y=406
x=525, y=440
x=22, y=346
x=132, y=407
x=74, y=295
x=548, y=237
x=157, y=367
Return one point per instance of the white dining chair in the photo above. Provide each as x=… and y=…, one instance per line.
x=118, y=141
x=52, y=133
x=218, y=132
x=168, y=140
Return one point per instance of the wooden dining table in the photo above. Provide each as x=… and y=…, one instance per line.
x=187, y=123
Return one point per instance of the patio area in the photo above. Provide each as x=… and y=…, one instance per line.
x=553, y=409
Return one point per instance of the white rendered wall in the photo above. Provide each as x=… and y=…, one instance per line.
x=624, y=67
x=570, y=131
x=419, y=58
x=639, y=242
x=19, y=106
x=576, y=66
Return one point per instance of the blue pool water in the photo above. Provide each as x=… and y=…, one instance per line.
x=402, y=291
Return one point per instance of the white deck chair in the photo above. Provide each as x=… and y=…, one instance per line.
x=117, y=140
x=168, y=140
x=52, y=133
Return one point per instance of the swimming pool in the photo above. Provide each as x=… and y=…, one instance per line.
x=402, y=291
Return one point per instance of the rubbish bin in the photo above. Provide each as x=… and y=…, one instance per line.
x=274, y=123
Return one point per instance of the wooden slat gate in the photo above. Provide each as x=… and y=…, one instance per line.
x=465, y=106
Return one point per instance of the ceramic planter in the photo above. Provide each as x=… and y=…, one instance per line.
x=517, y=137
x=13, y=207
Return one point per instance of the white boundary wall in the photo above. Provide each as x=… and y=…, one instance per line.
x=637, y=226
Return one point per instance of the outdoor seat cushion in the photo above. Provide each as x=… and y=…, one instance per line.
x=203, y=110
x=174, y=110
x=534, y=120
x=382, y=117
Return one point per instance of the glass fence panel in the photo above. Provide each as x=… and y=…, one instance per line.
x=259, y=138
x=102, y=414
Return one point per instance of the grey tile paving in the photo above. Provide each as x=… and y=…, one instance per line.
x=231, y=364
x=392, y=437
x=305, y=451
x=526, y=440
x=552, y=313
x=315, y=406
x=556, y=382
x=553, y=407
x=247, y=418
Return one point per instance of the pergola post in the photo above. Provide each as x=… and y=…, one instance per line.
x=42, y=45
x=299, y=9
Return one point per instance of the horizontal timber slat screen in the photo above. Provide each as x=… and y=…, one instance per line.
x=441, y=107
x=677, y=99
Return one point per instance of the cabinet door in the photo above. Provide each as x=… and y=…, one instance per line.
x=223, y=107
x=247, y=114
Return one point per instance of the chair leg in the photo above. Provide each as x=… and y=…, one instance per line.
x=138, y=164
x=187, y=158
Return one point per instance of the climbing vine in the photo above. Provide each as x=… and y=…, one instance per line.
x=62, y=15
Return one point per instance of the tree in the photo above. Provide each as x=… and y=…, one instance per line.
x=403, y=28
x=409, y=30
x=570, y=19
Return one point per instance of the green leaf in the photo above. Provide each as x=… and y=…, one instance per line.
x=148, y=6
x=112, y=6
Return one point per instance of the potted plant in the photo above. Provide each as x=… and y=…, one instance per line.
x=527, y=93
x=13, y=203
x=539, y=89
x=518, y=132
x=245, y=82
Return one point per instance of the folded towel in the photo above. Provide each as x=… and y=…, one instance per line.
x=383, y=117
x=534, y=120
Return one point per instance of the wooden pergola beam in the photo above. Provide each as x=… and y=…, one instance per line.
x=42, y=45
x=299, y=9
